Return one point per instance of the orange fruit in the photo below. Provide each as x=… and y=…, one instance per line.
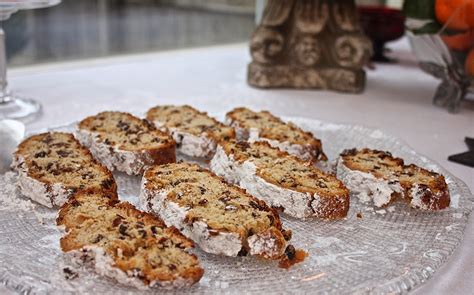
x=462, y=41
x=470, y=63
x=461, y=11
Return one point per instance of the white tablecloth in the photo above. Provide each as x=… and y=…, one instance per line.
x=397, y=100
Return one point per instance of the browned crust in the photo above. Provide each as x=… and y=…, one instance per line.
x=310, y=140
x=335, y=207
x=107, y=187
x=276, y=225
x=68, y=244
x=442, y=200
x=435, y=193
x=164, y=155
x=280, y=241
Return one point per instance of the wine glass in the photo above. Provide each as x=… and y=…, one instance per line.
x=382, y=24
x=12, y=106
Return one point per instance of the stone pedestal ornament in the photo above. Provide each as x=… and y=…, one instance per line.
x=315, y=44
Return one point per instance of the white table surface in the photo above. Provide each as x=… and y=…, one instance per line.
x=397, y=100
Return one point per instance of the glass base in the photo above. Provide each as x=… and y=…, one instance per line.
x=22, y=109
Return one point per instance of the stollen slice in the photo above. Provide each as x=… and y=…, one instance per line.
x=220, y=218
x=263, y=126
x=52, y=166
x=283, y=181
x=378, y=177
x=118, y=241
x=126, y=143
x=195, y=133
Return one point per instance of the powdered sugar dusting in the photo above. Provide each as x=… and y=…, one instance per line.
x=113, y=157
x=367, y=187
x=9, y=199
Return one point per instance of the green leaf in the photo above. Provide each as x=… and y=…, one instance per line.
x=421, y=9
x=430, y=28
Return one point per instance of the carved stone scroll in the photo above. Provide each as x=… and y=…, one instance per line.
x=309, y=44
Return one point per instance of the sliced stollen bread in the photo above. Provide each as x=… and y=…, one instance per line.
x=220, y=218
x=195, y=133
x=123, y=243
x=54, y=165
x=125, y=143
x=263, y=126
x=282, y=180
x=378, y=177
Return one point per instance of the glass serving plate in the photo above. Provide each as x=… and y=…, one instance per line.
x=390, y=250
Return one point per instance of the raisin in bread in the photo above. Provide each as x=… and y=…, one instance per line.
x=52, y=166
x=125, y=143
x=282, y=180
x=220, y=218
x=195, y=132
x=379, y=177
x=126, y=244
x=263, y=126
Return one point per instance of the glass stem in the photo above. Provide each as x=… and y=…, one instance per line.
x=4, y=94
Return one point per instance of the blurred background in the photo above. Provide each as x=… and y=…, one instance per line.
x=78, y=29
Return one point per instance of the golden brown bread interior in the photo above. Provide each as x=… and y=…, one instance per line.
x=189, y=120
x=57, y=158
x=378, y=163
x=424, y=189
x=224, y=208
x=139, y=243
x=272, y=128
x=127, y=131
x=289, y=172
x=131, y=144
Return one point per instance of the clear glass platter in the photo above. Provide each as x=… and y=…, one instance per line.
x=390, y=250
